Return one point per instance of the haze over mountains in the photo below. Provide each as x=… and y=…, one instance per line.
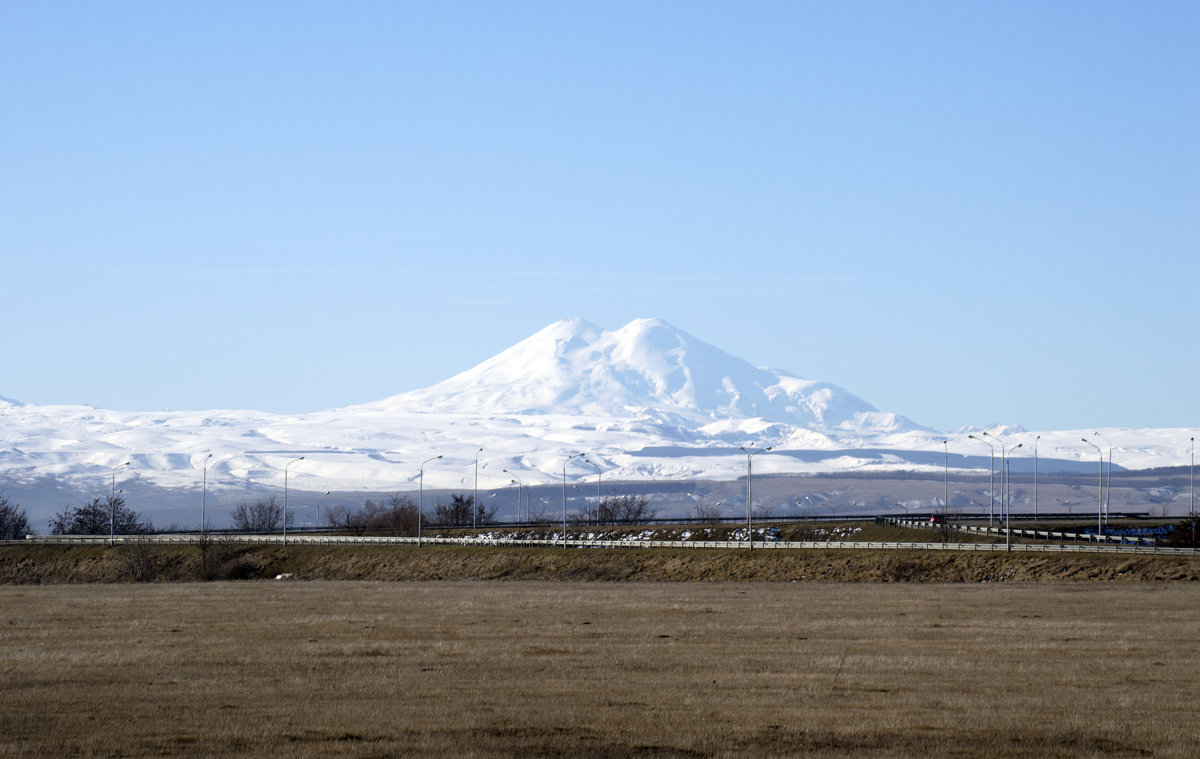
x=644, y=401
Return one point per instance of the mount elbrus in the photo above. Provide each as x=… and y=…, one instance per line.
x=645, y=402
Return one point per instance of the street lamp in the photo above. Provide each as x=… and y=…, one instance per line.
x=112, y=504
x=421, y=495
x=749, y=503
x=516, y=480
x=991, y=477
x=317, y=524
x=1005, y=489
x=1006, y=466
x=946, y=500
x=811, y=506
x=1108, y=486
x=1035, y=443
x=599, y=474
x=1192, y=479
x=1161, y=504
x=475, y=494
x=564, y=494
x=1100, y=491
x=285, y=496
x=204, y=497
x=1003, y=479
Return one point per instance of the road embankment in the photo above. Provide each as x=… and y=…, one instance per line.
x=43, y=564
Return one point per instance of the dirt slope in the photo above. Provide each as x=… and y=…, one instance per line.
x=74, y=564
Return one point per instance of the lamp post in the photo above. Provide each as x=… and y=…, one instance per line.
x=112, y=504
x=599, y=474
x=1192, y=496
x=1108, y=485
x=1099, y=492
x=1003, y=481
x=475, y=493
x=1162, y=505
x=421, y=495
x=317, y=524
x=285, y=496
x=750, y=503
x=517, y=481
x=811, y=506
x=1006, y=465
x=946, y=499
x=991, y=477
x=1035, y=443
x=564, y=494
x=204, y=498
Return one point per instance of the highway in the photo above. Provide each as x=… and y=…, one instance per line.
x=350, y=540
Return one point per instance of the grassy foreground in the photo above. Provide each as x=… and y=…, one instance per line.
x=35, y=564
x=475, y=669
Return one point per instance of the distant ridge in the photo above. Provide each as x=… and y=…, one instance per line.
x=646, y=402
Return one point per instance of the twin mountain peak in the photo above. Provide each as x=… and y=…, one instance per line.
x=646, y=369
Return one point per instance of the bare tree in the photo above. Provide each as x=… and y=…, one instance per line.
x=706, y=514
x=397, y=516
x=763, y=511
x=97, y=517
x=353, y=520
x=624, y=509
x=140, y=559
x=14, y=524
x=260, y=516
x=462, y=512
x=400, y=516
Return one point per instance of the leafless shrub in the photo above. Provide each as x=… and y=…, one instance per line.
x=139, y=559
x=397, y=516
x=14, y=524
x=462, y=512
x=763, y=511
x=260, y=516
x=621, y=509
x=706, y=514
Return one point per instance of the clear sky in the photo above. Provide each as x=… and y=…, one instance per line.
x=963, y=212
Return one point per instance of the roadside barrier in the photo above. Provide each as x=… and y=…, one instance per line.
x=924, y=524
x=759, y=545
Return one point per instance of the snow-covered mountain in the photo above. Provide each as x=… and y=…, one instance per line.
x=647, y=369
x=646, y=401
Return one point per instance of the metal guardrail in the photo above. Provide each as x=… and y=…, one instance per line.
x=351, y=540
x=914, y=524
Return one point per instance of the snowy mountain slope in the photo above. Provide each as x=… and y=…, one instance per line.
x=646, y=401
x=646, y=369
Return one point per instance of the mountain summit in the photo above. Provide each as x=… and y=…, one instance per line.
x=646, y=369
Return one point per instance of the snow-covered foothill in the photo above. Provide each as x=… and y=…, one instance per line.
x=646, y=401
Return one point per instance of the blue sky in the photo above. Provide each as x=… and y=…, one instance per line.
x=962, y=212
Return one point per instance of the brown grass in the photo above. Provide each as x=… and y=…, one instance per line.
x=599, y=669
x=33, y=564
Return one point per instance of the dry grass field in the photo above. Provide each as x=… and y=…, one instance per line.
x=46, y=565
x=313, y=669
